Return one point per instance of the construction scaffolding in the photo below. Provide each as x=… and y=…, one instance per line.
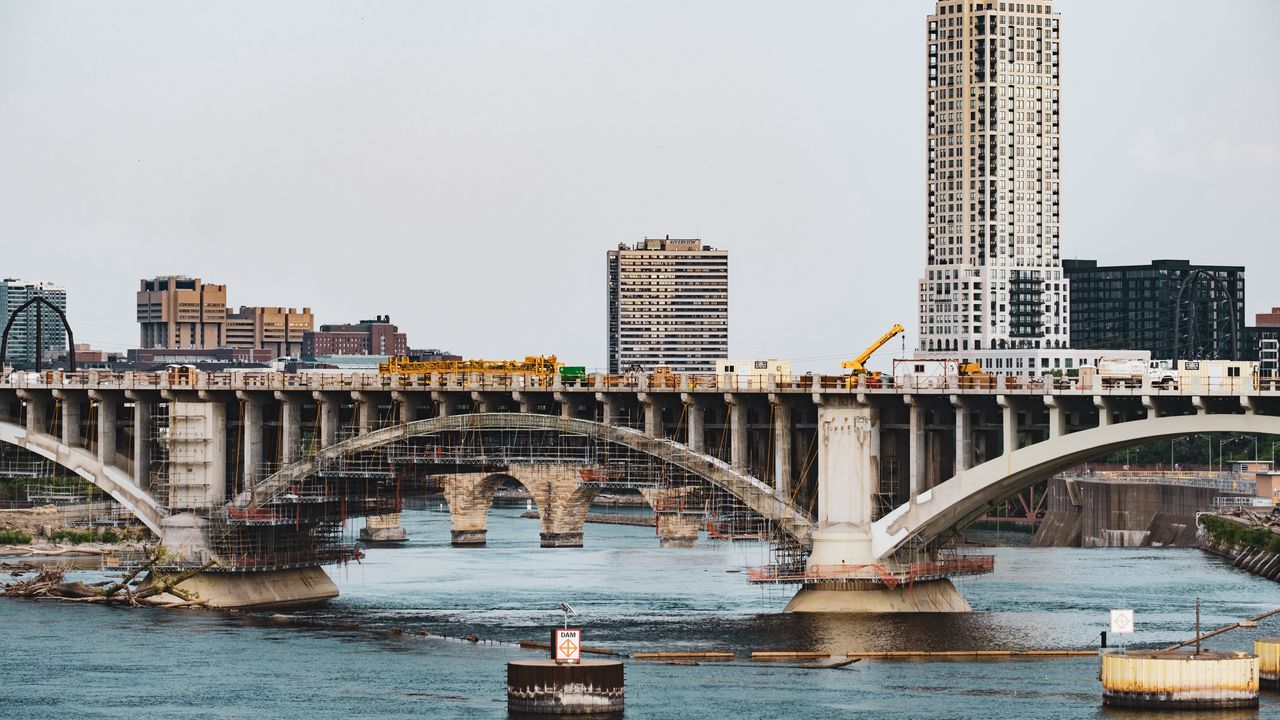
x=300, y=520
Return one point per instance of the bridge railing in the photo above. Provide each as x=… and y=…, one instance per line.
x=336, y=381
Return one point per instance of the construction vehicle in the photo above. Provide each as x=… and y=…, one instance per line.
x=857, y=367
x=540, y=366
x=972, y=376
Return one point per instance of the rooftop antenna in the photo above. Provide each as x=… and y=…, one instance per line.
x=568, y=610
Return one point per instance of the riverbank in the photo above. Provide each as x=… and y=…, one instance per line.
x=1249, y=541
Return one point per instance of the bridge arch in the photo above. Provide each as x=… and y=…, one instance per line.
x=967, y=496
x=751, y=492
x=112, y=480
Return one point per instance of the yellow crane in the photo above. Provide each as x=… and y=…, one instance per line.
x=857, y=366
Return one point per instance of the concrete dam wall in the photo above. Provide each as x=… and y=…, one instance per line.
x=1090, y=513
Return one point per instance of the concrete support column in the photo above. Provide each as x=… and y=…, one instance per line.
x=142, y=411
x=1057, y=417
x=696, y=417
x=37, y=411
x=1008, y=424
x=848, y=480
x=610, y=407
x=366, y=412
x=108, y=413
x=1104, y=409
x=444, y=408
x=917, y=439
x=407, y=409
x=72, y=411
x=327, y=406
x=737, y=433
x=481, y=402
x=652, y=411
x=523, y=399
x=197, y=453
x=782, y=436
x=566, y=405
x=964, y=434
x=1149, y=402
x=290, y=427
x=250, y=439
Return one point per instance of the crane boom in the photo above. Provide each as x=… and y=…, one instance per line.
x=857, y=365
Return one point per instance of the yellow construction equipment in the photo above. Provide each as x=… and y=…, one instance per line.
x=972, y=376
x=857, y=366
x=543, y=366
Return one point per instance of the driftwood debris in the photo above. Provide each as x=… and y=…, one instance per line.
x=49, y=584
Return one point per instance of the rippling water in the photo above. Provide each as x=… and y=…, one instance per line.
x=60, y=661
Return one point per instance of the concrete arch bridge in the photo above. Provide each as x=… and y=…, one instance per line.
x=861, y=486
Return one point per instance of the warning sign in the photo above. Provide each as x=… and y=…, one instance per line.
x=566, y=643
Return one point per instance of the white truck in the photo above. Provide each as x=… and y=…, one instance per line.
x=1122, y=372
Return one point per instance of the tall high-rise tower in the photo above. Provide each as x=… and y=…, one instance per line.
x=668, y=305
x=994, y=277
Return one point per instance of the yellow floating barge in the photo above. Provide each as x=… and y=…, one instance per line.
x=1179, y=680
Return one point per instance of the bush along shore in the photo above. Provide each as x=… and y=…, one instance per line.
x=42, y=531
x=1249, y=540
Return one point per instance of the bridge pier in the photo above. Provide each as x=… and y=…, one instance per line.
x=675, y=524
x=469, y=496
x=964, y=434
x=72, y=416
x=562, y=501
x=251, y=438
x=678, y=530
x=782, y=436
x=695, y=421
x=108, y=404
x=608, y=408
x=36, y=408
x=384, y=528
x=652, y=411
x=847, y=575
x=366, y=412
x=290, y=427
x=327, y=407
x=142, y=412
x=407, y=409
x=737, y=432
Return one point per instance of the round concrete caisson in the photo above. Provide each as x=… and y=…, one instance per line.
x=541, y=687
x=1180, y=680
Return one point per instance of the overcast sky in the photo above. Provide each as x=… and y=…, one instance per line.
x=464, y=166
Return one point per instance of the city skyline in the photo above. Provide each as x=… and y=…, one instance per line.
x=279, y=161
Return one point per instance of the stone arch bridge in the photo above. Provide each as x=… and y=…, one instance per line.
x=861, y=487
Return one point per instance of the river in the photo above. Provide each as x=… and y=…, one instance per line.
x=344, y=661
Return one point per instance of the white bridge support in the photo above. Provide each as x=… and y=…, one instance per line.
x=848, y=480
